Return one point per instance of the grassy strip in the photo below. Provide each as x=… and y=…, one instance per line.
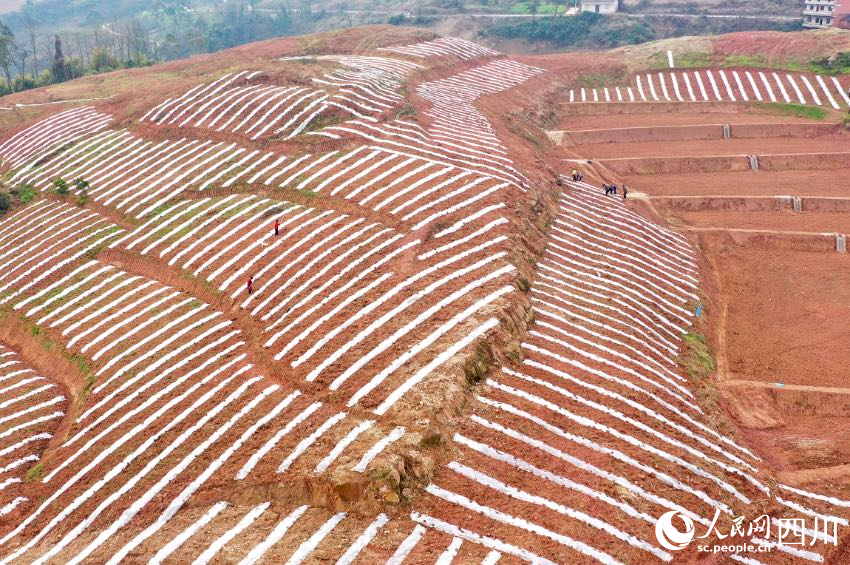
x=796, y=110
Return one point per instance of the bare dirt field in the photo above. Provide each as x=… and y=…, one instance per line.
x=805, y=442
x=752, y=183
x=784, y=312
x=786, y=220
x=573, y=122
x=714, y=147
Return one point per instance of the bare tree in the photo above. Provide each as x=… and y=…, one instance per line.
x=138, y=38
x=19, y=60
x=29, y=13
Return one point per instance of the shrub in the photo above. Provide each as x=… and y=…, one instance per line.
x=397, y=19
x=407, y=110
x=81, y=185
x=5, y=203
x=61, y=186
x=26, y=193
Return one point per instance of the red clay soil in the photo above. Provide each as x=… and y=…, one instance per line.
x=777, y=48
x=820, y=222
x=680, y=119
x=804, y=442
x=825, y=144
x=786, y=312
x=833, y=182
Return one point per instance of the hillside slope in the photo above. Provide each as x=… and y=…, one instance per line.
x=323, y=299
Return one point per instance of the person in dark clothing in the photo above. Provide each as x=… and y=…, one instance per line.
x=625, y=192
x=607, y=189
x=277, y=227
x=613, y=189
x=250, y=284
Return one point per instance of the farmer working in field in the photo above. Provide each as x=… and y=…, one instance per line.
x=250, y=284
x=277, y=227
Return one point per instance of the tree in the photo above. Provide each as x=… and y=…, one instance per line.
x=81, y=185
x=19, y=59
x=101, y=60
x=7, y=52
x=60, y=71
x=533, y=6
x=61, y=186
x=29, y=13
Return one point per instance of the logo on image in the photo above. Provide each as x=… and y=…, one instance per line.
x=669, y=535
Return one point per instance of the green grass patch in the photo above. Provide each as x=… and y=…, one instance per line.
x=796, y=110
x=26, y=193
x=741, y=60
x=35, y=473
x=161, y=208
x=692, y=59
x=81, y=362
x=697, y=357
x=613, y=77
x=90, y=380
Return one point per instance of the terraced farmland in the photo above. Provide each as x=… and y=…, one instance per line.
x=332, y=304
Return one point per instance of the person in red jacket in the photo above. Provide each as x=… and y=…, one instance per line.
x=277, y=227
x=250, y=284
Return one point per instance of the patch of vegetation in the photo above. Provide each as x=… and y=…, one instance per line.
x=5, y=203
x=81, y=362
x=81, y=185
x=160, y=209
x=611, y=77
x=796, y=110
x=585, y=30
x=430, y=441
x=35, y=473
x=523, y=284
x=538, y=7
x=406, y=110
x=743, y=60
x=26, y=193
x=838, y=64
x=595, y=31
x=90, y=380
x=697, y=357
x=691, y=59
x=476, y=367
x=321, y=121
x=522, y=131
x=60, y=185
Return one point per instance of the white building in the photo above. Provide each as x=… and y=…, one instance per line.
x=819, y=13
x=600, y=6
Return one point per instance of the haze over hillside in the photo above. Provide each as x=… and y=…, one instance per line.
x=361, y=297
